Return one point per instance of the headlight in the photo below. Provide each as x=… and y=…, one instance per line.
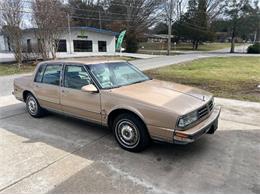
x=188, y=119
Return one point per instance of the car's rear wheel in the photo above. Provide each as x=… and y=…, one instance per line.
x=33, y=107
x=131, y=133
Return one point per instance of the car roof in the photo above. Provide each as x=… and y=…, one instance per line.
x=81, y=61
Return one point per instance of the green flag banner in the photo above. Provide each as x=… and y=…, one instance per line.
x=120, y=39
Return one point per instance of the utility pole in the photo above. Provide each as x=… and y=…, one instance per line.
x=100, y=23
x=170, y=6
x=169, y=36
x=70, y=40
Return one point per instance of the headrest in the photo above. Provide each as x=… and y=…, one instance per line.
x=99, y=70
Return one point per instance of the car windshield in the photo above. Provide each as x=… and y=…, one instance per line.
x=114, y=75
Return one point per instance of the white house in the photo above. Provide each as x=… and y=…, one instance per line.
x=81, y=41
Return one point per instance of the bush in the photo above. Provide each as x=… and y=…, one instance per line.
x=254, y=48
x=131, y=42
x=131, y=45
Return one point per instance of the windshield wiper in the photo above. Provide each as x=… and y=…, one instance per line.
x=119, y=86
x=138, y=82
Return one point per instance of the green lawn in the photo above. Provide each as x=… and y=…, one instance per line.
x=8, y=69
x=233, y=77
x=185, y=46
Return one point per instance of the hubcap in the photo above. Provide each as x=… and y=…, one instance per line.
x=32, y=105
x=127, y=133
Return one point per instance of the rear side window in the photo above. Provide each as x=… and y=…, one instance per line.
x=52, y=75
x=39, y=74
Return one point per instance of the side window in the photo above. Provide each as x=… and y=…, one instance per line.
x=76, y=77
x=39, y=74
x=52, y=75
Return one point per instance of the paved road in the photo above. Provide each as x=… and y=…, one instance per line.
x=6, y=84
x=161, y=61
x=238, y=49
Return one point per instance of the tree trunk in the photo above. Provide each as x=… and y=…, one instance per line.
x=169, y=37
x=193, y=45
x=197, y=45
x=232, y=50
x=258, y=35
x=18, y=53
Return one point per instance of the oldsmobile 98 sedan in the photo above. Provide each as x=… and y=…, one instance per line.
x=117, y=95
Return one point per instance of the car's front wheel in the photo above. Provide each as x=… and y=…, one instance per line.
x=131, y=133
x=33, y=107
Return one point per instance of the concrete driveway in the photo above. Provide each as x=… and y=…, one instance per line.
x=57, y=154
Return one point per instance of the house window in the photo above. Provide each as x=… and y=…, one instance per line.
x=29, y=46
x=82, y=46
x=61, y=45
x=102, y=46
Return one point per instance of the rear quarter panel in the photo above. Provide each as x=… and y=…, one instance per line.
x=21, y=85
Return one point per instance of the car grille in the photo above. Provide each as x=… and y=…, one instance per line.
x=205, y=110
x=211, y=105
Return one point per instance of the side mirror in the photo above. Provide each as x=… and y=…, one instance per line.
x=89, y=88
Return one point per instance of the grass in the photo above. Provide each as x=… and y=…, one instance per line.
x=185, y=46
x=233, y=77
x=9, y=69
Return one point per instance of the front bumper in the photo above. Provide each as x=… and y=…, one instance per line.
x=208, y=126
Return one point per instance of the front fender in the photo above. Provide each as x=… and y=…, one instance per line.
x=124, y=107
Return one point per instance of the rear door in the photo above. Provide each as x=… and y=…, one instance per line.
x=73, y=100
x=47, y=86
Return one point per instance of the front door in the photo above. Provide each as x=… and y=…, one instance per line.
x=76, y=102
x=47, y=86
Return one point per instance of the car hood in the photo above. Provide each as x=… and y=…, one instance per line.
x=175, y=97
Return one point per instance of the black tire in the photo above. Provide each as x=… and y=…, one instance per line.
x=33, y=107
x=131, y=133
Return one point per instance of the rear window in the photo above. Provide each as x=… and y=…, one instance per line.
x=52, y=75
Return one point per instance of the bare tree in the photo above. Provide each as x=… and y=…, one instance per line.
x=181, y=6
x=12, y=20
x=50, y=18
x=135, y=16
x=235, y=10
x=214, y=8
x=170, y=12
x=86, y=9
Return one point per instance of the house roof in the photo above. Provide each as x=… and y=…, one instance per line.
x=160, y=36
x=97, y=30
x=87, y=28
